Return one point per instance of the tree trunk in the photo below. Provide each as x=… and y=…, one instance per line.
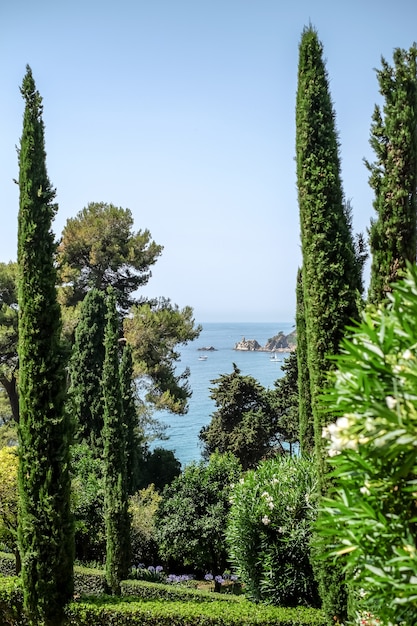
x=12, y=393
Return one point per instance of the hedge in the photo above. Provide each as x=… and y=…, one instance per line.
x=129, y=611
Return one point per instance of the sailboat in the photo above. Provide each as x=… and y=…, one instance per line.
x=275, y=359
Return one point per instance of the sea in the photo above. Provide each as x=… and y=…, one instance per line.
x=183, y=430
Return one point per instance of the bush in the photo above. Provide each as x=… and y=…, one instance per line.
x=116, y=611
x=89, y=581
x=269, y=531
x=191, y=519
x=143, y=507
x=7, y=564
x=88, y=504
x=157, y=591
x=373, y=448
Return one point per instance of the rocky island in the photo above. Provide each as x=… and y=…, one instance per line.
x=278, y=343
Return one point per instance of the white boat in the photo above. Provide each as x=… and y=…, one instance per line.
x=202, y=357
x=275, y=359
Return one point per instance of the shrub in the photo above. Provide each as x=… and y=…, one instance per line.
x=7, y=564
x=143, y=508
x=269, y=531
x=373, y=448
x=191, y=519
x=129, y=611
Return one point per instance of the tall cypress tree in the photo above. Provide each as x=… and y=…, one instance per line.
x=331, y=276
x=45, y=532
x=114, y=435
x=394, y=173
x=130, y=418
x=86, y=371
x=306, y=435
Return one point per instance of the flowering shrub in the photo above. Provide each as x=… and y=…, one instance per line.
x=373, y=449
x=268, y=531
x=150, y=573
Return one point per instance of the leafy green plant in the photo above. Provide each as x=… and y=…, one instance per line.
x=191, y=518
x=373, y=450
x=269, y=531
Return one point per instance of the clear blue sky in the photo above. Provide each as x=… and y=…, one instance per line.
x=184, y=112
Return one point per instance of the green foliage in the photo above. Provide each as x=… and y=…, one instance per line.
x=98, y=249
x=269, y=531
x=8, y=335
x=8, y=497
x=89, y=581
x=245, y=423
x=191, y=519
x=162, y=606
x=88, y=504
x=393, y=175
x=331, y=268
x=133, y=435
x=114, y=436
x=306, y=424
x=86, y=371
x=154, y=330
x=7, y=564
x=155, y=591
x=372, y=513
x=45, y=530
x=331, y=276
x=159, y=468
x=285, y=401
x=143, y=507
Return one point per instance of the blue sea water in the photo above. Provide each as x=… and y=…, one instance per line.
x=183, y=430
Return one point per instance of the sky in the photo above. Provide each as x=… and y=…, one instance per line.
x=183, y=111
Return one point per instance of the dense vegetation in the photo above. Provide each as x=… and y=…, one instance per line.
x=92, y=359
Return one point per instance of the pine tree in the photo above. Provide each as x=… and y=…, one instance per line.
x=394, y=173
x=45, y=532
x=86, y=371
x=130, y=417
x=114, y=436
x=306, y=435
x=331, y=276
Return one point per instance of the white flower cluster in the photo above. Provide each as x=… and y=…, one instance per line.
x=340, y=436
x=269, y=499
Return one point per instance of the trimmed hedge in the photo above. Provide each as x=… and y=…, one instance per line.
x=159, y=591
x=7, y=564
x=89, y=581
x=118, y=611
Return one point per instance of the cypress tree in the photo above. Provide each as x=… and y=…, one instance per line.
x=394, y=173
x=306, y=436
x=114, y=436
x=130, y=417
x=45, y=532
x=86, y=371
x=331, y=276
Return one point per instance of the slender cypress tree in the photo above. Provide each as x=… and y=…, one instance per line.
x=130, y=417
x=114, y=435
x=304, y=405
x=394, y=173
x=45, y=531
x=86, y=371
x=331, y=276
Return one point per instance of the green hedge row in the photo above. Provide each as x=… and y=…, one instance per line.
x=129, y=611
x=159, y=591
x=7, y=564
